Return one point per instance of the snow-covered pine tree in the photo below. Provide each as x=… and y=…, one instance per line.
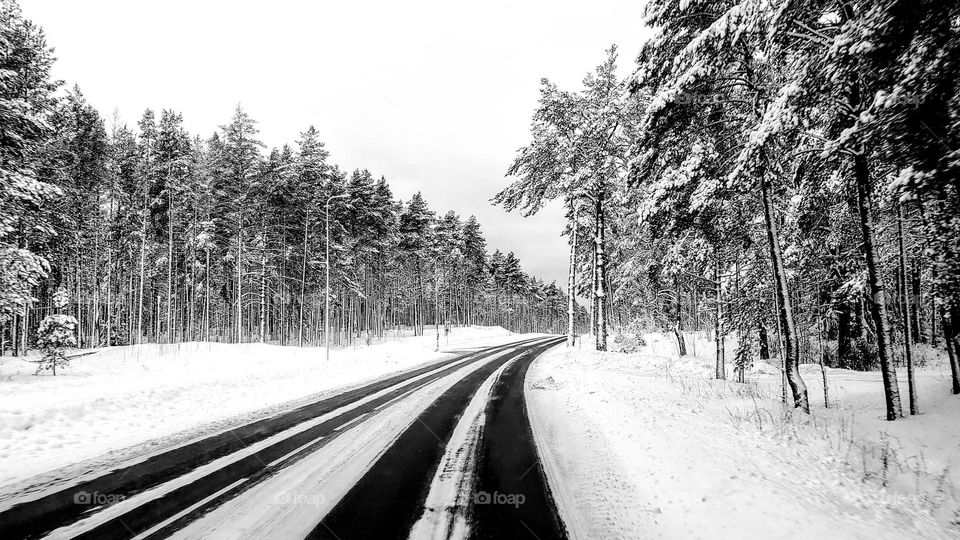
x=57, y=332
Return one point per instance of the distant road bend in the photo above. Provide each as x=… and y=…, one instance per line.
x=502, y=494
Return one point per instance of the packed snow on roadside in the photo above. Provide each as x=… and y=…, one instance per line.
x=123, y=402
x=647, y=445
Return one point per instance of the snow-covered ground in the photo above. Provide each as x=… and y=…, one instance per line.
x=646, y=445
x=128, y=401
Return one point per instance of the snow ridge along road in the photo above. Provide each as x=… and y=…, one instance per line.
x=270, y=443
x=390, y=497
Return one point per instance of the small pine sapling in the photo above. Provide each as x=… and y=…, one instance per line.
x=56, y=333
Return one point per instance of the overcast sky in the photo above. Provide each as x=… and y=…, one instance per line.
x=436, y=96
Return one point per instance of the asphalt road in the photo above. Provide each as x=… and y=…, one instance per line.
x=389, y=499
x=383, y=504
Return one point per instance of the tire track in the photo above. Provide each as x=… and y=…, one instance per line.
x=389, y=498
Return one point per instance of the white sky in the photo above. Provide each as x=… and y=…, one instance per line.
x=434, y=95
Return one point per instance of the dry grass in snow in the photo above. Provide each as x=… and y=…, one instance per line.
x=648, y=445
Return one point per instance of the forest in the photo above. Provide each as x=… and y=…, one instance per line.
x=148, y=233
x=782, y=174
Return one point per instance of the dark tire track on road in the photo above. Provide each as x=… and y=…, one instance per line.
x=389, y=498
x=510, y=480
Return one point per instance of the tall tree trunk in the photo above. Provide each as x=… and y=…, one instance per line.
x=239, y=314
x=878, y=304
x=263, y=290
x=907, y=326
x=143, y=262
x=206, y=298
x=947, y=323
x=600, y=262
x=916, y=318
x=436, y=300
x=823, y=368
x=721, y=368
x=844, y=334
x=572, y=281
x=791, y=353
x=169, y=265
x=109, y=297
x=934, y=332
x=303, y=277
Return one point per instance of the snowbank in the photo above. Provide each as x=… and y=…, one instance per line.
x=647, y=446
x=127, y=401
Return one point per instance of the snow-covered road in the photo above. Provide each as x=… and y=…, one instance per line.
x=381, y=455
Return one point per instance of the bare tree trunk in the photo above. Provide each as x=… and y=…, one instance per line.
x=878, y=304
x=907, y=327
x=791, y=356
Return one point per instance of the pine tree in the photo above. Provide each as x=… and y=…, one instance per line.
x=25, y=219
x=240, y=167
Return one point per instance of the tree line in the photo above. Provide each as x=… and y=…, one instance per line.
x=784, y=173
x=153, y=234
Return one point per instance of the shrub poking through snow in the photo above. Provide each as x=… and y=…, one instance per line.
x=56, y=333
x=629, y=339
